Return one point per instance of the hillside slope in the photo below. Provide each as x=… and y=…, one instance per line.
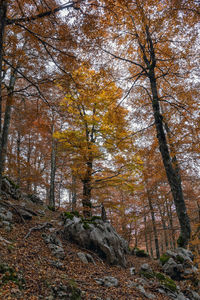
x=30, y=268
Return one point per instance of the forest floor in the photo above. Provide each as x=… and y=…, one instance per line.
x=32, y=258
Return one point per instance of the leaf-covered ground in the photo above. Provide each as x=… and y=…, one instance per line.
x=32, y=258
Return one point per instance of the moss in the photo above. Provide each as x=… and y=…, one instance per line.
x=147, y=275
x=86, y=225
x=166, y=281
x=9, y=274
x=75, y=292
x=180, y=259
x=164, y=258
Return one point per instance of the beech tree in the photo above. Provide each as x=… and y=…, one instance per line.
x=154, y=46
x=28, y=38
x=96, y=129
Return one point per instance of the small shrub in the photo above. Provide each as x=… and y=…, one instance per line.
x=164, y=258
x=140, y=252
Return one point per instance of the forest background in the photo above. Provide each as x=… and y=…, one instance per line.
x=100, y=102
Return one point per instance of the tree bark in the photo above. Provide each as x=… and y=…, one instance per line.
x=153, y=224
x=87, y=188
x=53, y=173
x=145, y=233
x=74, y=195
x=172, y=172
x=3, y=12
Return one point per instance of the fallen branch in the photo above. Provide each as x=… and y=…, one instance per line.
x=36, y=228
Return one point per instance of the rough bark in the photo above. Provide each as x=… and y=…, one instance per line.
x=171, y=170
x=52, y=176
x=3, y=11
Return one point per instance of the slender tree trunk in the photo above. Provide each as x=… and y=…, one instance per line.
x=74, y=194
x=28, y=181
x=87, y=188
x=52, y=176
x=145, y=233
x=150, y=242
x=162, y=217
x=3, y=12
x=170, y=218
x=153, y=224
x=18, y=157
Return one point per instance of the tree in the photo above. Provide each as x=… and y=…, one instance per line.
x=30, y=35
x=147, y=42
x=96, y=129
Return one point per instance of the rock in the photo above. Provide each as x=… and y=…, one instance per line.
x=5, y=215
x=187, y=254
x=82, y=257
x=90, y=258
x=55, y=244
x=180, y=264
x=173, y=269
x=192, y=295
x=69, y=291
x=10, y=188
x=107, y=281
x=142, y=291
x=132, y=271
x=146, y=268
x=98, y=236
x=57, y=264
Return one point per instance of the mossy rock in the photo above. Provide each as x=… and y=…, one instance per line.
x=70, y=214
x=147, y=275
x=164, y=258
x=180, y=259
x=166, y=281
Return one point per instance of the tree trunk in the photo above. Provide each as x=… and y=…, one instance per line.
x=172, y=172
x=145, y=234
x=170, y=218
x=52, y=176
x=87, y=188
x=3, y=12
x=74, y=194
x=162, y=217
x=150, y=242
x=18, y=157
x=153, y=224
x=6, y=124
